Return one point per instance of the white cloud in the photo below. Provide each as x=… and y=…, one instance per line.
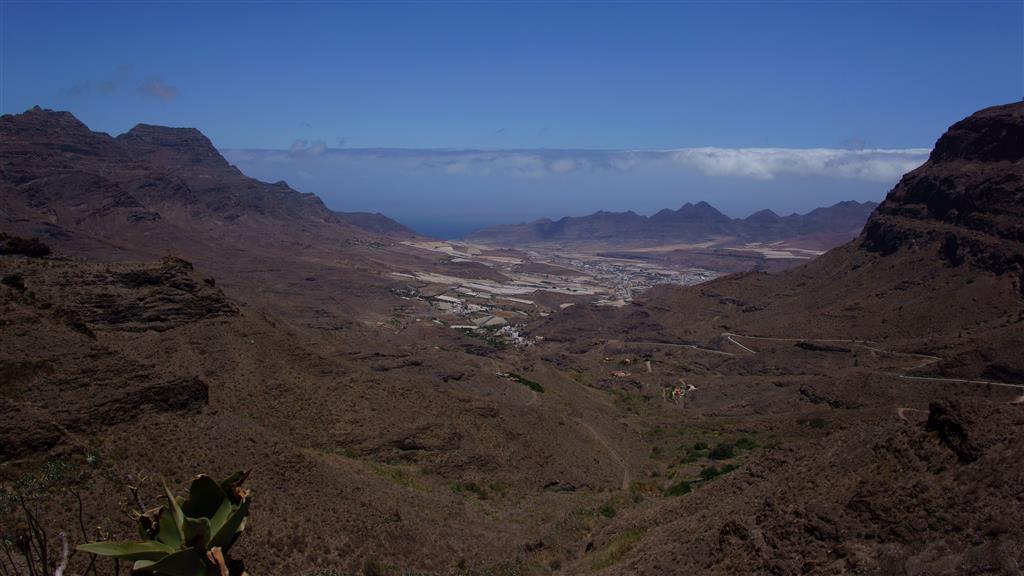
x=562, y=165
x=869, y=165
x=302, y=147
x=766, y=163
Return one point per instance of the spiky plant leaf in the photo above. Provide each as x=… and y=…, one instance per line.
x=221, y=516
x=235, y=523
x=168, y=529
x=197, y=532
x=204, y=497
x=187, y=562
x=149, y=550
x=230, y=485
x=176, y=514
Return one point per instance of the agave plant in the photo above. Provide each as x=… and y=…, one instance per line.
x=188, y=536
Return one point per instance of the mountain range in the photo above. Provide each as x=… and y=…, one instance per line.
x=148, y=177
x=690, y=223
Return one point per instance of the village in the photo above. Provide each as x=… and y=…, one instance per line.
x=529, y=285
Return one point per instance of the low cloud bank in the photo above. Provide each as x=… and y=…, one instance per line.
x=871, y=165
x=451, y=192
x=878, y=165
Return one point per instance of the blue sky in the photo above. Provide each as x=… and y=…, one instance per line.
x=523, y=76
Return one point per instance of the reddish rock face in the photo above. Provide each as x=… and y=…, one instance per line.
x=967, y=202
x=53, y=165
x=173, y=147
x=994, y=134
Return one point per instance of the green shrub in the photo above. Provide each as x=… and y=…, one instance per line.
x=679, y=488
x=473, y=488
x=694, y=455
x=373, y=568
x=617, y=548
x=536, y=387
x=608, y=511
x=700, y=446
x=746, y=443
x=722, y=451
x=712, y=472
x=188, y=536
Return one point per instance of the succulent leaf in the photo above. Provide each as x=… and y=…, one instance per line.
x=197, y=532
x=176, y=514
x=187, y=562
x=231, y=484
x=204, y=498
x=149, y=550
x=169, y=533
x=234, y=525
x=221, y=516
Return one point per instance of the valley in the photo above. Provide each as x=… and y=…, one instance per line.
x=719, y=404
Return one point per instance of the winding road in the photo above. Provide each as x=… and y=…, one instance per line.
x=926, y=360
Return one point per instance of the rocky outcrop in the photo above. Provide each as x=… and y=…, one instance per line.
x=964, y=426
x=967, y=202
x=172, y=147
x=155, y=297
x=73, y=355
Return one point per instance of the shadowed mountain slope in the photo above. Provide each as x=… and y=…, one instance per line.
x=155, y=191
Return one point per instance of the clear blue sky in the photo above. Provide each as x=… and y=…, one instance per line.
x=519, y=75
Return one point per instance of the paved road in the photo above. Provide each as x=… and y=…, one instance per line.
x=673, y=345
x=926, y=360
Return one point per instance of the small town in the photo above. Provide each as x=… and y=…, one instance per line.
x=502, y=307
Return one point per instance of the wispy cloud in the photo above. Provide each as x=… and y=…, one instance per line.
x=157, y=88
x=110, y=84
x=79, y=88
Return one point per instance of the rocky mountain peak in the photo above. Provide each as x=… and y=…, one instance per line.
x=967, y=200
x=763, y=216
x=179, y=147
x=45, y=129
x=701, y=211
x=994, y=134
